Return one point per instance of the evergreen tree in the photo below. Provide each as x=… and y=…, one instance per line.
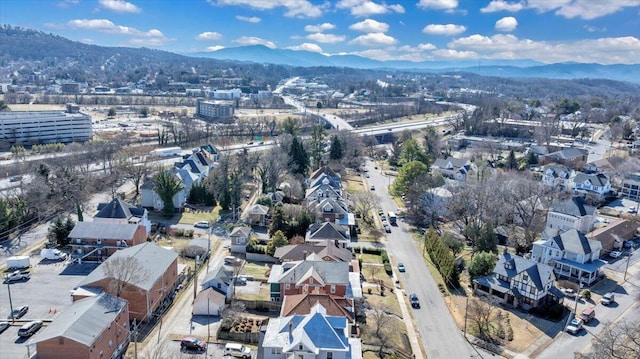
x=512, y=163
x=298, y=158
x=487, y=240
x=482, y=264
x=317, y=145
x=336, y=152
x=166, y=185
x=278, y=222
x=277, y=240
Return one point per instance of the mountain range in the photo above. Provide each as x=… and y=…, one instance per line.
x=501, y=68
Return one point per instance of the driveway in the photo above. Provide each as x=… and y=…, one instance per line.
x=436, y=328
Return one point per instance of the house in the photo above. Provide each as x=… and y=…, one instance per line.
x=210, y=151
x=95, y=241
x=256, y=214
x=571, y=213
x=557, y=176
x=520, y=282
x=451, y=167
x=119, y=211
x=146, y=275
x=208, y=302
x=198, y=247
x=95, y=328
x=435, y=201
x=302, y=304
x=307, y=276
x=316, y=335
x=605, y=165
x=327, y=209
x=220, y=279
x=239, y=239
x=613, y=235
x=631, y=186
x=325, y=170
x=570, y=157
x=591, y=186
x=572, y=255
x=319, y=233
x=325, y=179
x=151, y=199
x=323, y=190
x=328, y=252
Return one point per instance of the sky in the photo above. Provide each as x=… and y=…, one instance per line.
x=548, y=31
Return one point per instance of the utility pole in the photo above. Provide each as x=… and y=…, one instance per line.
x=10, y=302
x=466, y=306
x=195, y=277
x=625, y=268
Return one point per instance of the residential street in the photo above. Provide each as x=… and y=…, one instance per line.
x=436, y=328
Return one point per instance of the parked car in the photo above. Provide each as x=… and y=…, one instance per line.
x=569, y=293
x=190, y=343
x=30, y=328
x=615, y=254
x=628, y=244
x=237, y=350
x=18, y=312
x=16, y=276
x=387, y=228
x=373, y=188
x=574, y=326
x=588, y=314
x=608, y=298
x=401, y=267
x=201, y=224
x=4, y=326
x=415, y=303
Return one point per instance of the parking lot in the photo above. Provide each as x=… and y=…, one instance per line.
x=46, y=293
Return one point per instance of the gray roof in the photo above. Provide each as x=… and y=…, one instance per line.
x=330, y=272
x=327, y=230
x=154, y=260
x=573, y=241
x=599, y=179
x=557, y=170
x=100, y=230
x=223, y=274
x=118, y=208
x=241, y=231
x=84, y=320
x=455, y=162
x=575, y=206
x=571, y=152
x=510, y=265
x=297, y=251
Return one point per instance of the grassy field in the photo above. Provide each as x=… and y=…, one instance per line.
x=256, y=270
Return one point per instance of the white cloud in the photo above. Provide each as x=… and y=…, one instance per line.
x=306, y=47
x=501, y=5
x=252, y=40
x=213, y=48
x=375, y=54
x=455, y=54
x=252, y=19
x=294, y=8
x=209, y=36
x=326, y=38
x=370, y=25
x=585, y=9
x=438, y=4
x=506, y=24
x=87, y=41
x=444, y=29
x=367, y=7
x=320, y=27
x=373, y=39
x=66, y=3
x=152, y=37
x=119, y=6
x=594, y=29
x=603, y=50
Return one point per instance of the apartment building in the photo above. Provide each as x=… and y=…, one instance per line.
x=38, y=127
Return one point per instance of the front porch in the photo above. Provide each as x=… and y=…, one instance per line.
x=585, y=273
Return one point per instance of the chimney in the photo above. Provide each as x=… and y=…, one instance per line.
x=304, y=255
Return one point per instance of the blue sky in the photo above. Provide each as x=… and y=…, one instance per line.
x=599, y=31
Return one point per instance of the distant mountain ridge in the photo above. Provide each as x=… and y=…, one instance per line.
x=504, y=68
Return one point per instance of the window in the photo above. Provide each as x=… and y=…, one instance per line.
x=329, y=355
x=110, y=342
x=276, y=351
x=525, y=278
x=333, y=288
x=239, y=241
x=287, y=286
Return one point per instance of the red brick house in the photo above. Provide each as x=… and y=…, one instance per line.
x=311, y=275
x=154, y=284
x=92, y=328
x=96, y=241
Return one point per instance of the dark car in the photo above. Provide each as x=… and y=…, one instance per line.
x=415, y=303
x=18, y=312
x=190, y=343
x=4, y=326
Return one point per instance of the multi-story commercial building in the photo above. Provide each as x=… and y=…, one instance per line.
x=31, y=128
x=215, y=110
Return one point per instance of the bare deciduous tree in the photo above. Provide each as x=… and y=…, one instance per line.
x=123, y=271
x=380, y=329
x=363, y=203
x=481, y=317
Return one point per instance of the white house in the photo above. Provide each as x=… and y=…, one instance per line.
x=520, y=282
x=451, y=167
x=572, y=213
x=312, y=336
x=220, y=279
x=597, y=185
x=239, y=239
x=208, y=302
x=557, y=176
x=572, y=256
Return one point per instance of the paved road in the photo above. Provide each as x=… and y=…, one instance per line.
x=565, y=344
x=437, y=330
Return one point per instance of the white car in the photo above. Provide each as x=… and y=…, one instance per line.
x=615, y=254
x=575, y=326
x=201, y=224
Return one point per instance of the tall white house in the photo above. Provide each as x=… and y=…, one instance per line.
x=38, y=127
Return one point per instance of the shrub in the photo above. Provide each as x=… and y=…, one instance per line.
x=384, y=256
x=375, y=251
x=586, y=294
x=387, y=268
